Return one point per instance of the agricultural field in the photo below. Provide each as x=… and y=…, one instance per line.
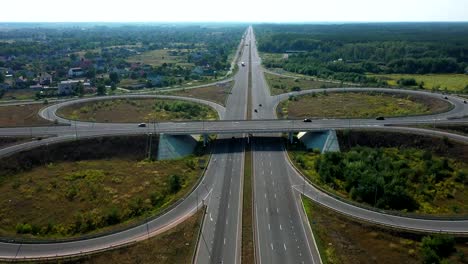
x=72, y=189
x=137, y=110
x=409, y=179
x=438, y=82
x=174, y=246
x=216, y=93
x=162, y=56
x=22, y=115
x=359, y=105
x=342, y=240
x=281, y=84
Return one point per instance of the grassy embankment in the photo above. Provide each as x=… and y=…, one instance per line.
x=248, y=254
x=408, y=173
x=280, y=84
x=176, y=245
x=344, y=240
x=88, y=186
x=215, y=93
x=359, y=105
x=22, y=115
x=137, y=110
x=441, y=82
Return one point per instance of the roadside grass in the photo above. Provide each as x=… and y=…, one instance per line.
x=433, y=196
x=281, y=84
x=128, y=83
x=93, y=192
x=341, y=239
x=216, y=93
x=22, y=115
x=247, y=213
x=137, y=110
x=457, y=129
x=19, y=94
x=159, y=57
x=440, y=82
x=359, y=105
x=7, y=141
x=176, y=245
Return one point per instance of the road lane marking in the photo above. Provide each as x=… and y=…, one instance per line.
x=281, y=228
x=269, y=228
x=284, y=245
x=271, y=245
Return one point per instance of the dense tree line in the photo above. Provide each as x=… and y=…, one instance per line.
x=387, y=178
x=348, y=51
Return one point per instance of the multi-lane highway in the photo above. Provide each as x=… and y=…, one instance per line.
x=282, y=234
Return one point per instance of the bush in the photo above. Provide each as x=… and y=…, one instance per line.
x=435, y=248
x=407, y=82
x=175, y=183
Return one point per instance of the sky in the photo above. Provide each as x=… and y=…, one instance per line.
x=233, y=10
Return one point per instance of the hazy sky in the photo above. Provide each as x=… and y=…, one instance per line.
x=233, y=10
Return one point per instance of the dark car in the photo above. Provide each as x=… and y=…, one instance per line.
x=142, y=125
x=446, y=98
x=307, y=120
x=256, y=111
x=260, y=105
x=380, y=118
x=464, y=101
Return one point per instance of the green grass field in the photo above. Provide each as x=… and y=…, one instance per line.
x=441, y=82
x=158, y=58
x=358, y=105
x=342, y=240
x=280, y=84
x=174, y=246
x=70, y=198
x=137, y=110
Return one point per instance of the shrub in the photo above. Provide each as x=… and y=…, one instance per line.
x=175, y=183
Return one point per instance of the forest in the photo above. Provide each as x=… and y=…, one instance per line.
x=348, y=51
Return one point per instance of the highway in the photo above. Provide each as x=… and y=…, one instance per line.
x=220, y=240
x=282, y=234
x=281, y=227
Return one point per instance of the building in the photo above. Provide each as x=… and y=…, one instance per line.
x=67, y=87
x=45, y=78
x=75, y=72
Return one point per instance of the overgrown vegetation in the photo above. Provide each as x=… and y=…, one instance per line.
x=359, y=105
x=174, y=246
x=342, y=240
x=137, y=110
x=216, y=93
x=409, y=179
x=82, y=187
x=280, y=84
x=347, y=52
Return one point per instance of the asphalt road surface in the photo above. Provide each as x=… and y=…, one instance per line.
x=282, y=233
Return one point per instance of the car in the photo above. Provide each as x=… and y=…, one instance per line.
x=260, y=105
x=446, y=98
x=243, y=64
x=255, y=110
x=307, y=120
x=142, y=125
x=464, y=101
x=380, y=118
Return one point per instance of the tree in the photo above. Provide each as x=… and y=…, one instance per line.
x=79, y=89
x=175, y=183
x=114, y=77
x=101, y=89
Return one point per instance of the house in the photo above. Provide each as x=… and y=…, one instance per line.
x=45, y=78
x=75, y=72
x=67, y=87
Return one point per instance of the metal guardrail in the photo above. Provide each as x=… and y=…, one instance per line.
x=117, y=230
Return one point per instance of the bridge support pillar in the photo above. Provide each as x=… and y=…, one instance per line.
x=205, y=139
x=290, y=137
